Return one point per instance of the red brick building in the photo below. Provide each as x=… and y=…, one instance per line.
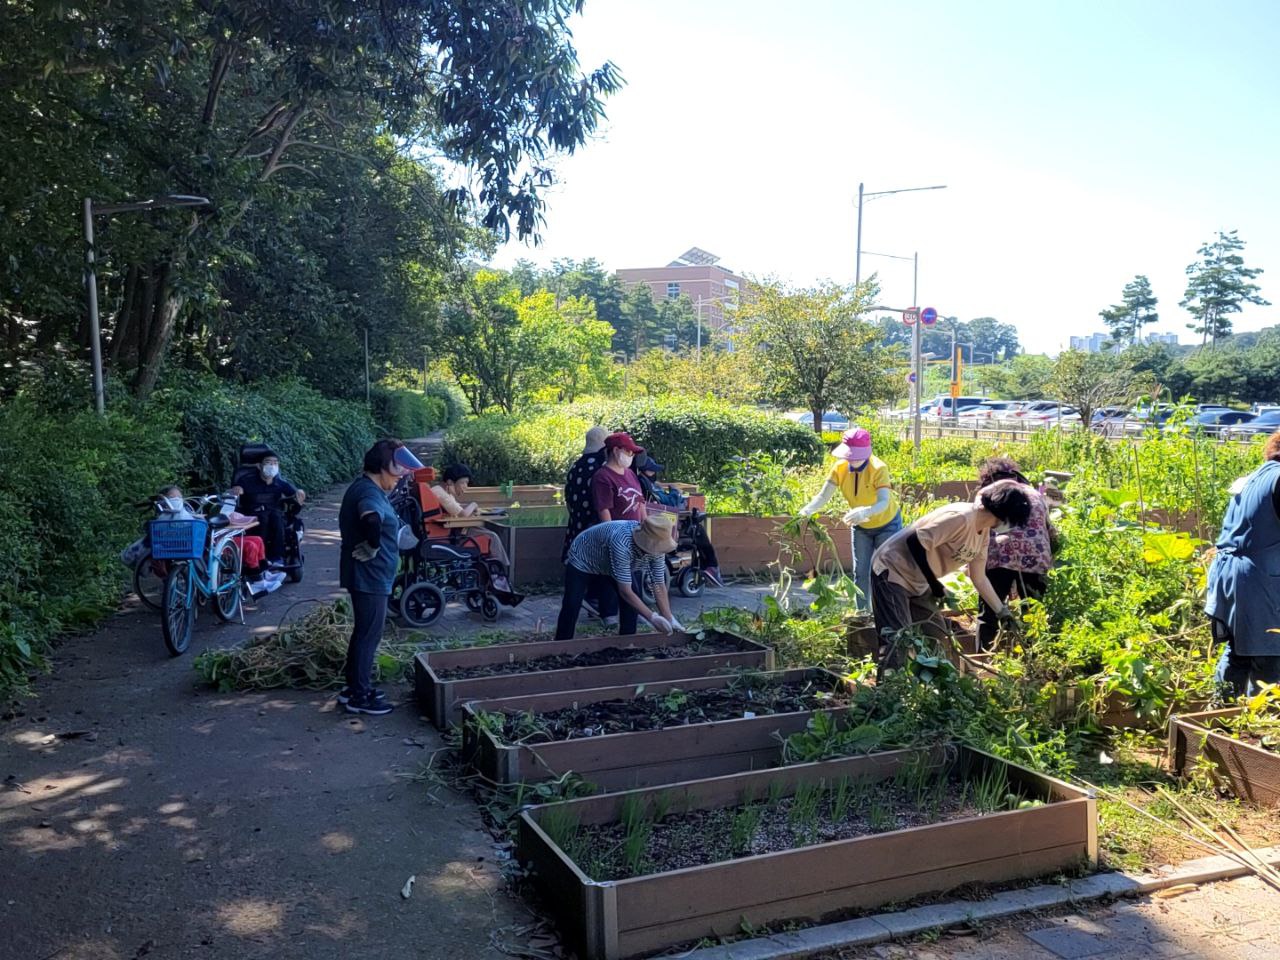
x=697, y=275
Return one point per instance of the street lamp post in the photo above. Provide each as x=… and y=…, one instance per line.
x=917, y=361
x=862, y=195
x=91, y=271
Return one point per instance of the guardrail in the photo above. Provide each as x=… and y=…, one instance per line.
x=938, y=430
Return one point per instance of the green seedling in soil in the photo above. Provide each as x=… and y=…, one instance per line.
x=803, y=814
x=489, y=722
x=990, y=789
x=661, y=805
x=841, y=797
x=561, y=826
x=880, y=817
x=674, y=701
x=743, y=832
x=775, y=792
x=636, y=842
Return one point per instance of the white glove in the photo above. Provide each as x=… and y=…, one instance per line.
x=857, y=515
x=661, y=624
x=363, y=552
x=677, y=626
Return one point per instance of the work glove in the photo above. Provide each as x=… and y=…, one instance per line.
x=661, y=624
x=363, y=552
x=677, y=626
x=1006, y=616
x=857, y=515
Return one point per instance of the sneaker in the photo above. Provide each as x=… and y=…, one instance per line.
x=609, y=622
x=713, y=574
x=370, y=705
x=344, y=695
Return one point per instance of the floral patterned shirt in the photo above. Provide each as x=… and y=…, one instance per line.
x=1025, y=549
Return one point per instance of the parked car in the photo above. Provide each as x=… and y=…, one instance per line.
x=1045, y=413
x=831, y=420
x=1264, y=424
x=988, y=412
x=1213, y=422
x=943, y=406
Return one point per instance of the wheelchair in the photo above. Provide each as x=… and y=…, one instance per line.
x=251, y=455
x=684, y=563
x=446, y=564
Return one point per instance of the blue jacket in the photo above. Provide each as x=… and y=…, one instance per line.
x=1244, y=579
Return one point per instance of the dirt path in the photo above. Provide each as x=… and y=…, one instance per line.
x=141, y=816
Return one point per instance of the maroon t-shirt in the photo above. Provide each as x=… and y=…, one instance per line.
x=619, y=493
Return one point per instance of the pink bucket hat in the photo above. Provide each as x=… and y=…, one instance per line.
x=855, y=444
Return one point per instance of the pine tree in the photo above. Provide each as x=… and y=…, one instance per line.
x=1137, y=309
x=1219, y=285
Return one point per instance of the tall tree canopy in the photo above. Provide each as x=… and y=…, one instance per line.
x=1218, y=285
x=1137, y=308
x=316, y=128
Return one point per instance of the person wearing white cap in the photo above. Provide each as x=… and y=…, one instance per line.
x=606, y=555
x=873, y=515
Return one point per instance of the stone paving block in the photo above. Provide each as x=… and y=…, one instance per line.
x=1069, y=943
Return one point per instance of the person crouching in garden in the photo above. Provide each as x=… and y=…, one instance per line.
x=873, y=515
x=367, y=562
x=1018, y=558
x=1243, y=601
x=907, y=568
x=606, y=555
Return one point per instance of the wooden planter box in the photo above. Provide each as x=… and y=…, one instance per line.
x=612, y=920
x=534, y=551
x=746, y=544
x=1253, y=773
x=442, y=700
x=525, y=494
x=621, y=761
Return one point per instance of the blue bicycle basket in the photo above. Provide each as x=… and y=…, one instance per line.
x=178, y=539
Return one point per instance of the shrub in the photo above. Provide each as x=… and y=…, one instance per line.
x=455, y=402
x=405, y=414
x=319, y=440
x=697, y=440
x=69, y=483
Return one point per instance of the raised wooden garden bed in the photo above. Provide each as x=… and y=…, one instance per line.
x=440, y=697
x=533, y=537
x=1252, y=771
x=525, y=494
x=640, y=758
x=605, y=919
x=747, y=544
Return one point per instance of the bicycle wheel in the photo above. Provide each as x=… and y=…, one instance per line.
x=148, y=581
x=226, y=597
x=178, y=612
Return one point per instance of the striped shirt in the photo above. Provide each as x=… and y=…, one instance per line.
x=609, y=550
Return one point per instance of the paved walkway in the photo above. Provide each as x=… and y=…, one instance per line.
x=1232, y=920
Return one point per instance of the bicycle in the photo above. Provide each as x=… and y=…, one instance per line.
x=149, y=573
x=204, y=558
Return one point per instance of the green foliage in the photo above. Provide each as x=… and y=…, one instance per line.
x=695, y=439
x=68, y=482
x=405, y=414
x=1218, y=285
x=319, y=440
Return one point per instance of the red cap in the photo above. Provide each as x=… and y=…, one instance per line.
x=622, y=441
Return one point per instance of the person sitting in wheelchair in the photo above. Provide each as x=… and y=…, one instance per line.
x=261, y=494
x=692, y=526
x=451, y=492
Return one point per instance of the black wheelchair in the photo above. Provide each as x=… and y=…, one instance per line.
x=684, y=563
x=251, y=456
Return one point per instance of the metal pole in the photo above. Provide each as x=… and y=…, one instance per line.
x=857, y=254
x=91, y=284
x=366, y=367
x=425, y=355
x=915, y=340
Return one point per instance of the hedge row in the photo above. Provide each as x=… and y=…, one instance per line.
x=71, y=482
x=696, y=439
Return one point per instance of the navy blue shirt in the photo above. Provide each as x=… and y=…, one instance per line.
x=377, y=574
x=260, y=495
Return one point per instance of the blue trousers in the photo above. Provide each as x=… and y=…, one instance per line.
x=1243, y=674
x=865, y=542
x=369, y=613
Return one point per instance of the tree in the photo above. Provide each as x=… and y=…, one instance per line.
x=989, y=335
x=1218, y=285
x=812, y=348
x=728, y=375
x=1088, y=381
x=504, y=349
x=1125, y=320
x=277, y=112
x=1025, y=377
x=639, y=329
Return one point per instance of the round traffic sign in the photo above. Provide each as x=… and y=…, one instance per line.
x=911, y=377
x=910, y=315
x=928, y=316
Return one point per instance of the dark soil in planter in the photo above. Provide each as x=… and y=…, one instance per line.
x=741, y=699
x=648, y=841
x=594, y=658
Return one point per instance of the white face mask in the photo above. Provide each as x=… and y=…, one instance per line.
x=625, y=458
x=174, y=504
x=270, y=470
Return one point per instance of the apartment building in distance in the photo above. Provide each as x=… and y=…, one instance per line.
x=1098, y=342
x=696, y=274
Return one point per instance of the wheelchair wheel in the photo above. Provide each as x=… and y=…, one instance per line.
x=148, y=581
x=226, y=602
x=474, y=602
x=690, y=582
x=421, y=604
x=178, y=611
x=489, y=608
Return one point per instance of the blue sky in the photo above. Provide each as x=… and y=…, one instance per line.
x=1081, y=143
